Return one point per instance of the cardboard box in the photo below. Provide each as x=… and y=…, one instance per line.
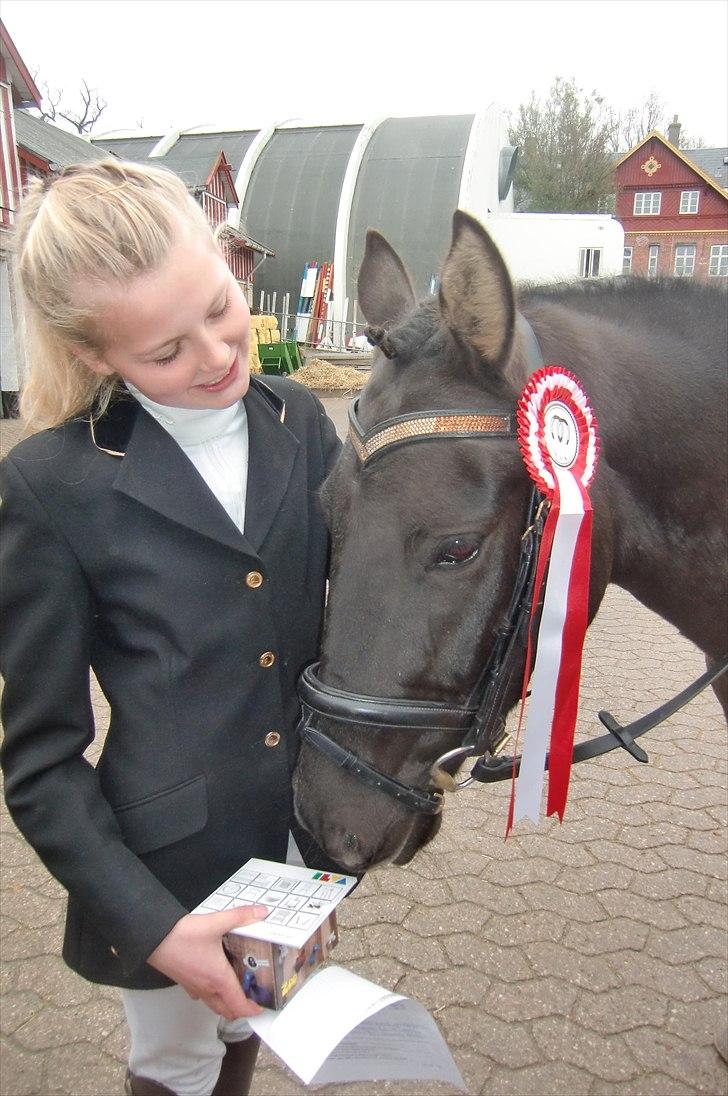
x=273, y=958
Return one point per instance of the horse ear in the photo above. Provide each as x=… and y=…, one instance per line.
x=385, y=291
x=476, y=293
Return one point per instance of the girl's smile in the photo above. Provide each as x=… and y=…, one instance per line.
x=179, y=333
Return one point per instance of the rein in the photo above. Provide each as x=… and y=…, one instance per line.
x=480, y=723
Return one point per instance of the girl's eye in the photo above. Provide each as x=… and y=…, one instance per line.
x=169, y=359
x=223, y=310
x=456, y=550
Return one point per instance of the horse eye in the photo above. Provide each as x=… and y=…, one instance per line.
x=456, y=550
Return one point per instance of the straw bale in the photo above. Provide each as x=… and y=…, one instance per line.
x=325, y=377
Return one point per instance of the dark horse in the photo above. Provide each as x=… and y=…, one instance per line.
x=425, y=539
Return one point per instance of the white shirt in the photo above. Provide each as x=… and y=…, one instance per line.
x=216, y=441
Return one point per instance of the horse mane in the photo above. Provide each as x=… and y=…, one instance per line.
x=612, y=292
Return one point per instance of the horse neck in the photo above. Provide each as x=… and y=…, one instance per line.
x=659, y=526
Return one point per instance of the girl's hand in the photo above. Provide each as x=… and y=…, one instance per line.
x=192, y=955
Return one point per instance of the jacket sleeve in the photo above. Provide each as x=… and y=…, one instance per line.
x=52, y=791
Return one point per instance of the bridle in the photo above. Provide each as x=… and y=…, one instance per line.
x=479, y=724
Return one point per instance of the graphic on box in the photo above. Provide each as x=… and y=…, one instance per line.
x=273, y=958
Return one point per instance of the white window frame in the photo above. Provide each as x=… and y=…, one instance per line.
x=718, y=267
x=647, y=198
x=687, y=204
x=684, y=260
x=590, y=262
x=627, y=260
x=653, y=258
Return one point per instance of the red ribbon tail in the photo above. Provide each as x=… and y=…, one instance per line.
x=567, y=688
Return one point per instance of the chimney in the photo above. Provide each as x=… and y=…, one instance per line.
x=673, y=132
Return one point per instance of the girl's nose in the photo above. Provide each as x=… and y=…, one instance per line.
x=215, y=356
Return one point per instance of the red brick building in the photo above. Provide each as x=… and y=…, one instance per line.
x=673, y=210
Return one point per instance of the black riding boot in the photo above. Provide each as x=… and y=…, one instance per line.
x=142, y=1086
x=236, y=1072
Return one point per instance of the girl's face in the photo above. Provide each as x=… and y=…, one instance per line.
x=180, y=333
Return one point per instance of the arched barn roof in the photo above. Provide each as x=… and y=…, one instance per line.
x=407, y=188
x=292, y=200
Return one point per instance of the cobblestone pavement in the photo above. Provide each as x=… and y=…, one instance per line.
x=588, y=958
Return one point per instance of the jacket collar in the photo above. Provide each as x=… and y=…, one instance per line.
x=155, y=471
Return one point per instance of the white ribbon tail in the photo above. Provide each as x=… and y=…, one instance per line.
x=529, y=787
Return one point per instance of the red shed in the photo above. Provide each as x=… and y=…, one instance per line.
x=674, y=214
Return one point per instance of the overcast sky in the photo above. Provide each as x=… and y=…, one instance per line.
x=172, y=64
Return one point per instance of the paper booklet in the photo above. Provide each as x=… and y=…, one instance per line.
x=340, y=1027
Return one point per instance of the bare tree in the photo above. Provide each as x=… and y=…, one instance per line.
x=634, y=125
x=567, y=160
x=82, y=119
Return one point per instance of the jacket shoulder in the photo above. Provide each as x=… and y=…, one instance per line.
x=49, y=444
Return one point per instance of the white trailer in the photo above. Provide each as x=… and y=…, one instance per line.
x=545, y=247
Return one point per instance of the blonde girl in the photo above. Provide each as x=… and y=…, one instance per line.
x=161, y=528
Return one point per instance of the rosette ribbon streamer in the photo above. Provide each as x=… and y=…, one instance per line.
x=557, y=434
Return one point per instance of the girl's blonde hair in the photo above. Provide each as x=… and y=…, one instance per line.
x=104, y=222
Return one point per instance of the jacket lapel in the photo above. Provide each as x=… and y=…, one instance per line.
x=271, y=456
x=156, y=472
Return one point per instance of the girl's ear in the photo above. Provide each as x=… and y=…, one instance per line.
x=92, y=361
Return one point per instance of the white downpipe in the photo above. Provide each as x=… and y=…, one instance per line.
x=343, y=219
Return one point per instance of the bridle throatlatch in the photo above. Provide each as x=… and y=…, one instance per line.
x=478, y=726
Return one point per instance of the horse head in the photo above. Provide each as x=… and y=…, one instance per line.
x=425, y=541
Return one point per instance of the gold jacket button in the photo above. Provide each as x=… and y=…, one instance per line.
x=267, y=659
x=253, y=579
x=272, y=738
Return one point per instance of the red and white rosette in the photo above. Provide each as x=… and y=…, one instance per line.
x=557, y=433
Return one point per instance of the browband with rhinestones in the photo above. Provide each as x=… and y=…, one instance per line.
x=423, y=425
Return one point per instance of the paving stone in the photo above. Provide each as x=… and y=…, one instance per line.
x=670, y=883
x=652, y=1084
x=604, y=1056
x=26, y=943
x=699, y=1022
x=405, y=946
x=500, y=899
x=698, y=1067
x=689, y=983
x=506, y=1044
x=466, y=950
x=703, y=911
x=596, y=877
x=605, y=937
x=84, y=1070
x=439, y=921
x=687, y=945
x=662, y=915
x=524, y=929
x=50, y=978
x=17, y=1009
x=55, y=1027
x=573, y=907
x=708, y=864
x=616, y=852
x=541, y=1079
x=436, y=989
x=621, y=1009
x=714, y=972
x=21, y=1073
x=374, y=908
x=593, y=973
x=531, y=999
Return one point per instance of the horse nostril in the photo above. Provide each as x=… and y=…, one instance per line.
x=351, y=842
